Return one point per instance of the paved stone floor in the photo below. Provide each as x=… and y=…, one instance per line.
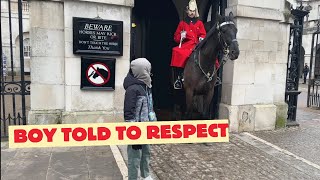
x=303, y=141
x=246, y=158
x=78, y=163
x=234, y=160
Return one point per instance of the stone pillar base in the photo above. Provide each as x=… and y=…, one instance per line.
x=282, y=113
x=44, y=117
x=249, y=117
x=91, y=117
x=59, y=117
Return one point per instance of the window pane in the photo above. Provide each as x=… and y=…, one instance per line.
x=26, y=47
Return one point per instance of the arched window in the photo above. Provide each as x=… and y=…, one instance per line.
x=26, y=48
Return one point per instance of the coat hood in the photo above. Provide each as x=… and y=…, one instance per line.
x=129, y=80
x=141, y=69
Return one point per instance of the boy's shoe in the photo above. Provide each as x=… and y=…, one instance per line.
x=148, y=178
x=208, y=144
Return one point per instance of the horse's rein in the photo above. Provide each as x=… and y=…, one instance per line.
x=225, y=48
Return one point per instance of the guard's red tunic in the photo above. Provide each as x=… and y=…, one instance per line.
x=194, y=31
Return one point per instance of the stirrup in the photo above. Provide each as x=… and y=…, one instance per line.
x=177, y=84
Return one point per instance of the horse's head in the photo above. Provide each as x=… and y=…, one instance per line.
x=228, y=35
x=96, y=74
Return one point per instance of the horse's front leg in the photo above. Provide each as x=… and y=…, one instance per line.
x=207, y=102
x=189, y=104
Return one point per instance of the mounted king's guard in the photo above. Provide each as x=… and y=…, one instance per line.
x=189, y=33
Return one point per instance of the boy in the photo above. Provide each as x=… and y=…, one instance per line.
x=138, y=107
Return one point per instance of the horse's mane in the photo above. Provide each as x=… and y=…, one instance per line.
x=204, y=41
x=211, y=31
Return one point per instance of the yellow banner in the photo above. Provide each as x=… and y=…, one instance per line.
x=100, y=134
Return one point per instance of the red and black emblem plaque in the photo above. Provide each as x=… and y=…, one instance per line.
x=97, y=73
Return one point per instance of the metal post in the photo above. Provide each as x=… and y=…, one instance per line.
x=3, y=115
x=10, y=32
x=12, y=71
x=310, y=71
x=23, y=84
x=311, y=82
x=293, y=70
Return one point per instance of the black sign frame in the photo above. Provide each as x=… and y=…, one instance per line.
x=86, y=40
x=86, y=79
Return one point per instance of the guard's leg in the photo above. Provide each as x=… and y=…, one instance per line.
x=134, y=158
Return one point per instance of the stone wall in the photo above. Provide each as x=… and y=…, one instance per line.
x=254, y=85
x=56, y=96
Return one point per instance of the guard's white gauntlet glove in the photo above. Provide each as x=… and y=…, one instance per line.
x=183, y=34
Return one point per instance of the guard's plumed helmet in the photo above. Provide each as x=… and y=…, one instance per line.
x=193, y=7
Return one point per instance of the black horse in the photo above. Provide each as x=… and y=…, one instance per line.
x=200, y=74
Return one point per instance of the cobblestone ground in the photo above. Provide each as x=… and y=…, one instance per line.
x=303, y=141
x=233, y=160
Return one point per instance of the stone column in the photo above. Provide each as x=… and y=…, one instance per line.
x=254, y=85
x=95, y=106
x=47, y=62
x=56, y=96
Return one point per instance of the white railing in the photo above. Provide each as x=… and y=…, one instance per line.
x=25, y=6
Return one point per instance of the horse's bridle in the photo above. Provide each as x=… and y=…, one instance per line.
x=225, y=49
x=225, y=46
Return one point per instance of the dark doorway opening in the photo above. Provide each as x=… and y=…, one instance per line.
x=153, y=26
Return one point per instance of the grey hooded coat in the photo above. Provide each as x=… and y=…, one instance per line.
x=138, y=100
